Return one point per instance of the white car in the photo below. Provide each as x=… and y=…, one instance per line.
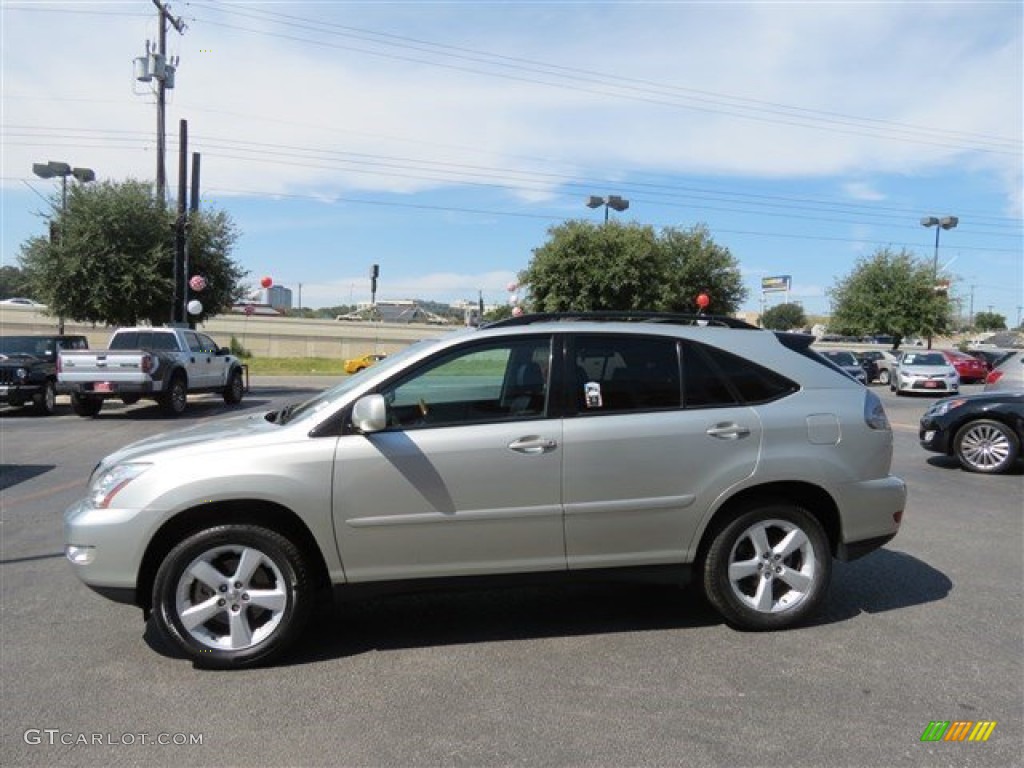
x=925, y=371
x=20, y=302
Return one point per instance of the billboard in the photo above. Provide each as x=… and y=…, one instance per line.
x=777, y=283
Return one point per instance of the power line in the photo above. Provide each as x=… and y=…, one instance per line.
x=1000, y=143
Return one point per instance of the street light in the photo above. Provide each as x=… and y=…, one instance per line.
x=51, y=170
x=612, y=201
x=946, y=222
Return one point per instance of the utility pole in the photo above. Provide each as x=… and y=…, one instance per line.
x=162, y=75
x=970, y=318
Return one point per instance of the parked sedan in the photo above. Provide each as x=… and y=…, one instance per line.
x=984, y=431
x=924, y=372
x=969, y=368
x=1008, y=374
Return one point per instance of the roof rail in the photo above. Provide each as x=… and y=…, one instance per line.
x=624, y=316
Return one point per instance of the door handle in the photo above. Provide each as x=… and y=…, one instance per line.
x=533, y=444
x=728, y=431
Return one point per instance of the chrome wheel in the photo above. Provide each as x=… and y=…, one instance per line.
x=233, y=595
x=768, y=567
x=772, y=566
x=986, y=446
x=231, y=598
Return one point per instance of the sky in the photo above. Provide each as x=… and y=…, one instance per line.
x=442, y=140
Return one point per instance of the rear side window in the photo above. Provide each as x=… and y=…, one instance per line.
x=620, y=373
x=738, y=379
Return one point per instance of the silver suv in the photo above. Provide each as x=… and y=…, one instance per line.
x=679, y=447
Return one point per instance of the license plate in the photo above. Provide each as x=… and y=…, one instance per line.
x=102, y=386
x=931, y=384
x=3, y=390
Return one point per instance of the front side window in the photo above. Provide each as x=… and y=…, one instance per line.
x=499, y=381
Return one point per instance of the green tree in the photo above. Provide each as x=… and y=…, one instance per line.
x=613, y=266
x=784, y=317
x=13, y=283
x=889, y=293
x=698, y=265
x=112, y=261
x=989, y=321
x=586, y=266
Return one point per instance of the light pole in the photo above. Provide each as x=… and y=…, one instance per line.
x=946, y=222
x=51, y=170
x=612, y=201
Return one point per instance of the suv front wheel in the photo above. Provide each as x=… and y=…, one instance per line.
x=232, y=596
x=768, y=568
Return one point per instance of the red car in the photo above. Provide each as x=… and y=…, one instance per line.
x=969, y=368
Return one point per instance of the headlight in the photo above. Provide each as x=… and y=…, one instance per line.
x=107, y=484
x=21, y=373
x=941, y=409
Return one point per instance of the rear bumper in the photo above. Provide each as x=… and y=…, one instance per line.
x=875, y=512
x=112, y=388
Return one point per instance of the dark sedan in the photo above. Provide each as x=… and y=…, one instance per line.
x=984, y=431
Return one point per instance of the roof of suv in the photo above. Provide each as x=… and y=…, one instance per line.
x=625, y=316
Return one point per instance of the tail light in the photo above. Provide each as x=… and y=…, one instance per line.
x=58, y=364
x=147, y=363
x=993, y=377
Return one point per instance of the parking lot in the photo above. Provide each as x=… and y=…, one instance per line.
x=931, y=628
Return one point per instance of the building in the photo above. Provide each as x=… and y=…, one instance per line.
x=276, y=296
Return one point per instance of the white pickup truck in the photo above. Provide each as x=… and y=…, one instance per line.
x=164, y=364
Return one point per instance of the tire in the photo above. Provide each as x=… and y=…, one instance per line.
x=215, y=576
x=986, y=446
x=774, y=589
x=235, y=389
x=86, y=407
x=174, y=401
x=129, y=399
x=46, y=401
x=883, y=376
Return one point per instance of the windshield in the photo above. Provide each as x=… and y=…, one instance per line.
x=841, y=358
x=923, y=358
x=26, y=345
x=329, y=396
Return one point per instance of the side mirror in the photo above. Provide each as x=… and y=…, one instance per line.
x=223, y=352
x=370, y=414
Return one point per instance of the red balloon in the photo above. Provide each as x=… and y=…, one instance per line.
x=703, y=301
x=266, y=282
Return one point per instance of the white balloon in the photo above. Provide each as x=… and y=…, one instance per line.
x=195, y=307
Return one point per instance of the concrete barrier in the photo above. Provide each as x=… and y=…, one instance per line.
x=263, y=336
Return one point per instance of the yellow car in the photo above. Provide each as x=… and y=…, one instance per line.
x=356, y=364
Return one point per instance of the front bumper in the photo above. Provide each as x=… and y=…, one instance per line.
x=19, y=393
x=934, y=436
x=104, y=548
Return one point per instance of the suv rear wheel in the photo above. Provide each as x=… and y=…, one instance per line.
x=768, y=568
x=232, y=596
x=86, y=406
x=175, y=399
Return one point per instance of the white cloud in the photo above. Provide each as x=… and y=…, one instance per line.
x=272, y=114
x=860, y=190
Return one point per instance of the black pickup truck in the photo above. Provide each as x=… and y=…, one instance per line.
x=28, y=369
